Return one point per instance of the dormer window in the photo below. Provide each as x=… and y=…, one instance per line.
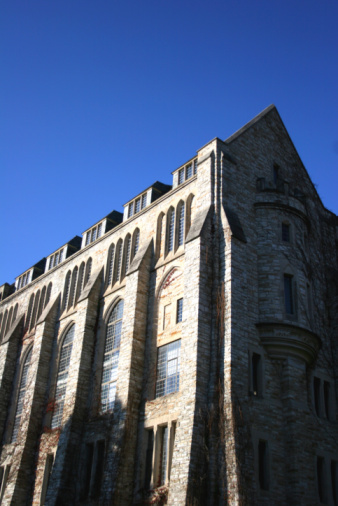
x=93, y=234
x=23, y=280
x=137, y=205
x=56, y=259
x=186, y=172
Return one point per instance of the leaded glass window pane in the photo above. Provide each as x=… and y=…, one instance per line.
x=137, y=205
x=181, y=226
x=181, y=176
x=168, y=368
x=144, y=201
x=21, y=396
x=111, y=265
x=188, y=171
x=61, y=382
x=111, y=358
x=171, y=230
x=99, y=230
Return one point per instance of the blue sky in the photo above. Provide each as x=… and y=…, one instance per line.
x=99, y=99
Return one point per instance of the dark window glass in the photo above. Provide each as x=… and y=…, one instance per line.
x=288, y=295
x=285, y=232
x=327, y=399
x=263, y=464
x=179, y=310
x=316, y=392
x=321, y=479
x=149, y=459
x=256, y=373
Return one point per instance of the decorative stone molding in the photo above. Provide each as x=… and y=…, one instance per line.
x=282, y=340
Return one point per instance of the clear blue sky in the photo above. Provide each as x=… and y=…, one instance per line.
x=101, y=98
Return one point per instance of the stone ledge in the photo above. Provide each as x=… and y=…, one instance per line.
x=282, y=340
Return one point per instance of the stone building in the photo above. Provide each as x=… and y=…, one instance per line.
x=185, y=350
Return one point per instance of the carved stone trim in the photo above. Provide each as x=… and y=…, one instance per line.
x=283, y=340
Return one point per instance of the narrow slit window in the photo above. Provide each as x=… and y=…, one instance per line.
x=181, y=176
x=136, y=242
x=188, y=171
x=179, y=313
x=171, y=224
x=256, y=364
x=316, y=393
x=119, y=262
x=144, y=201
x=130, y=209
x=321, y=479
x=285, y=232
x=149, y=459
x=137, y=205
x=263, y=465
x=163, y=456
x=111, y=265
x=46, y=477
x=326, y=387
x=288, y=294
x=99, y=230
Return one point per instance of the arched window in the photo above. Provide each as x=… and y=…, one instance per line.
x=35, y=310
x=41, y=303
x=111, y=357
x=110, y=266
x=171, y=229
x=127, y=251
x=61, y=382
x=160, y=234
x=49, y=291
x=29, y=312
x=73, y=287
x=118, y=261
x=190, y=212
x=15, y=313
x=4, y=323
x=136, y=242
x=21, y=395
x=9, y=320
x=80, y=280
x=88, y=271
x=1, y=315
x=66, y=291
x=180, y=234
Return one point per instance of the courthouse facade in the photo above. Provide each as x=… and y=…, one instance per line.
x=183, y=351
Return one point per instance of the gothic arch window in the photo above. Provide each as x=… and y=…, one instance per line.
x=62, y=377
x=111, y=357
x=41, y=303
x=80, y=280
x=88, y=271
x=4, y=323
x=9, y=320
x=35, y=309
x=171, y=229
x=66, y=291
x=110, y=264
x=127, y=253
x=1, y=315
x=73, y=287
x=21, y=395
x=180, y=224
x=135, y=243
x=160, y=235
x=15, y=313
x=190, y=212
x=29, y=312
x=118, y=260
x=48, y=294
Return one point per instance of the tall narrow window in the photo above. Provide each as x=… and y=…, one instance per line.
x=326, y=387
x=316, y=393
x=137, y=205
x=195, y=166
x=9, y=320
x=5, y=473
x=61, y=382
x=179, y=311
x=144, y=201
x=171, y=229
x=88, y=238
x=168, y=368
x=181, y=225
x=21, y=395
x=256, y=374
x=73, y=287
x=263, y=465
x=111, y=265
x=321, y=479
x=180, y=176
x=111, y=357
x=128, y=251
x=118, y=261
x=49, y=291
x=46, y=477
x=81, y=279
x=285, y=232
x=136, y=239
x=164, y=455
x=29, y=312
x=130, y=209
x=149, y=459
x=41, y=303
x=334, y=481
x=99, y=230
x=94, y=232
x=188, y=171
x=35, y=310
x=288, y=294
x=88, y=271
x=66, y=291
